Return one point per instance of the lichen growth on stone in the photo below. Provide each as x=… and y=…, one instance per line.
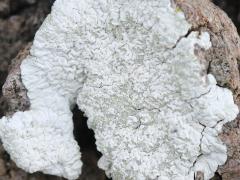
x=131, y=67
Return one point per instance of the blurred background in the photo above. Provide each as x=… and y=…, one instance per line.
x=232, y=8
x=19, y=20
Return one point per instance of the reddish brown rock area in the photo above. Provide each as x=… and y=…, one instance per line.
x=222, y=61
x=14, y=92
x=231, y=137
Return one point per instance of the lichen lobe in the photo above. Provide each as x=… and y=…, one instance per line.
x=133, y=69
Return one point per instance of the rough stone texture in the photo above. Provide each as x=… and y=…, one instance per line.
x=199, y=176
x=231, y=136
x=222, y=61
x=14, y=92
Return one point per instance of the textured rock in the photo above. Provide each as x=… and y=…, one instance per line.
x=3, y=169
x=14, y=92
x=231, y=136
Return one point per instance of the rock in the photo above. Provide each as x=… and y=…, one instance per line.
x=3, y=169
x=14, y=91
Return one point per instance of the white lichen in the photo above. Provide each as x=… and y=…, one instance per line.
x=127, y=64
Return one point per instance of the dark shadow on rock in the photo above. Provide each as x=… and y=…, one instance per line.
x=86, y=140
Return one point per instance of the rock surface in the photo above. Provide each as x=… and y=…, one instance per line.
x=14, y=92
